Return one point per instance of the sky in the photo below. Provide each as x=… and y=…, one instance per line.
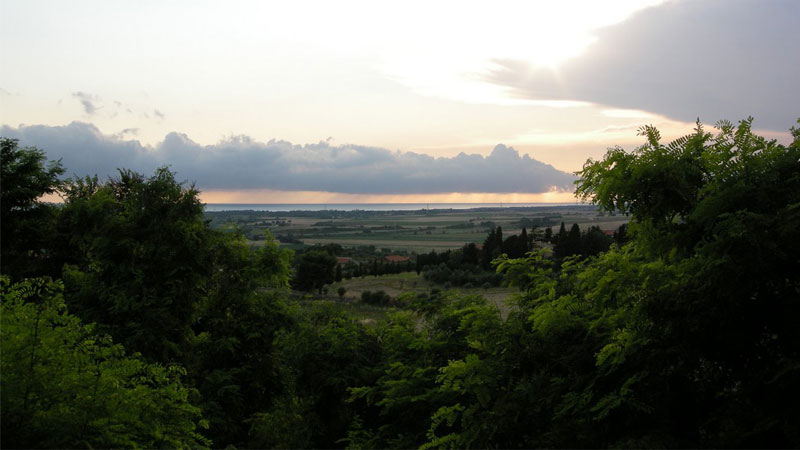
x=343, y=102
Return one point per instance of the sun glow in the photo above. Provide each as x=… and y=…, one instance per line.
x=316, y=197
x=445, y=48
x=451, y=61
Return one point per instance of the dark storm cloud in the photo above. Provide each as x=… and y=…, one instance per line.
x=243, y=163
x=711, y=59
x=88, y=102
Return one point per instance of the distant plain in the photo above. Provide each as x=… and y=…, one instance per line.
x=410, y=231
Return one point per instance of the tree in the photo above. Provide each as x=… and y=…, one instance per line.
x=471, y=254
x=523, y=244
x=403, y=403
x=594, y=241
x=314, y=270
x=716, y=226
x=231, y=355
x=64, y=386
x=568, y=243
x=338, y=276
x=25, y=221
x=325, y=354
x=492, y=247
x=138, y=257
x=683, y=337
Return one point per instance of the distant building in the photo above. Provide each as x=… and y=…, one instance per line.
x=396, y=258
x=343, y=260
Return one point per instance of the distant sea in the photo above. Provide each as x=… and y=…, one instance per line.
x=212, y=207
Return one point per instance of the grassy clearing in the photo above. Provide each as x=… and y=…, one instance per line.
x=397, y=284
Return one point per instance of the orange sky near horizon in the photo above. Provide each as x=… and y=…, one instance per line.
x=267, y=196
x=317, y=197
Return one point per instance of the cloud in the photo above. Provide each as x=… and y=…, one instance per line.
x=240, y=162
x=88, y=101
x=710, y=59
x=158, y=114
x=125, y=132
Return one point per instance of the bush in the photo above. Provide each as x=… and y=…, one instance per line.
x=379, y=298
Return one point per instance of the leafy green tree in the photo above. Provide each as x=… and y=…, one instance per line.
x=314, y=270
x=681, y=338
x=471, y=254
x=338, y=276
x=25, y=221
x=321, y=358
x=492, y=247
x=139, y=257
x=568, y=244
x=379, y=298
x=594, y=241
x=562, y=234
x=231, y=356
x=703, y=291
x=523, y=244
x=399, y=404
x=64, y=386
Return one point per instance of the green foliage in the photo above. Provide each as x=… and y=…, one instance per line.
x=326, y=352
x=25, y=221
x=314, y=270
x=407, y=392
x=379, y=298
x=590, y=243
x=679, y=338
x=63, y=386
x=145, y=266
x=712, y=281
x=656, y=182
x=138, y=257
x=231, y=356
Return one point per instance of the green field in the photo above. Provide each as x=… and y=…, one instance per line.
x=410, y=231
x=395, y=285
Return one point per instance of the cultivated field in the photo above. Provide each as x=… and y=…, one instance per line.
x=409, y=231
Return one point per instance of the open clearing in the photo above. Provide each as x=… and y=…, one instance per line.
x=397, y=284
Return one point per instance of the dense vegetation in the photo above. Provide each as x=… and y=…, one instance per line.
x=164, y=332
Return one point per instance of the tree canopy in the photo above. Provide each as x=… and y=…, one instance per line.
x=315, y=269
x=25, y=221
x=64, y=386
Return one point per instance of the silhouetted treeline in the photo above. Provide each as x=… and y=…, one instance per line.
x=588, y=243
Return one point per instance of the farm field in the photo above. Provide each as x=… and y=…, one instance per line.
x=409, y=231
